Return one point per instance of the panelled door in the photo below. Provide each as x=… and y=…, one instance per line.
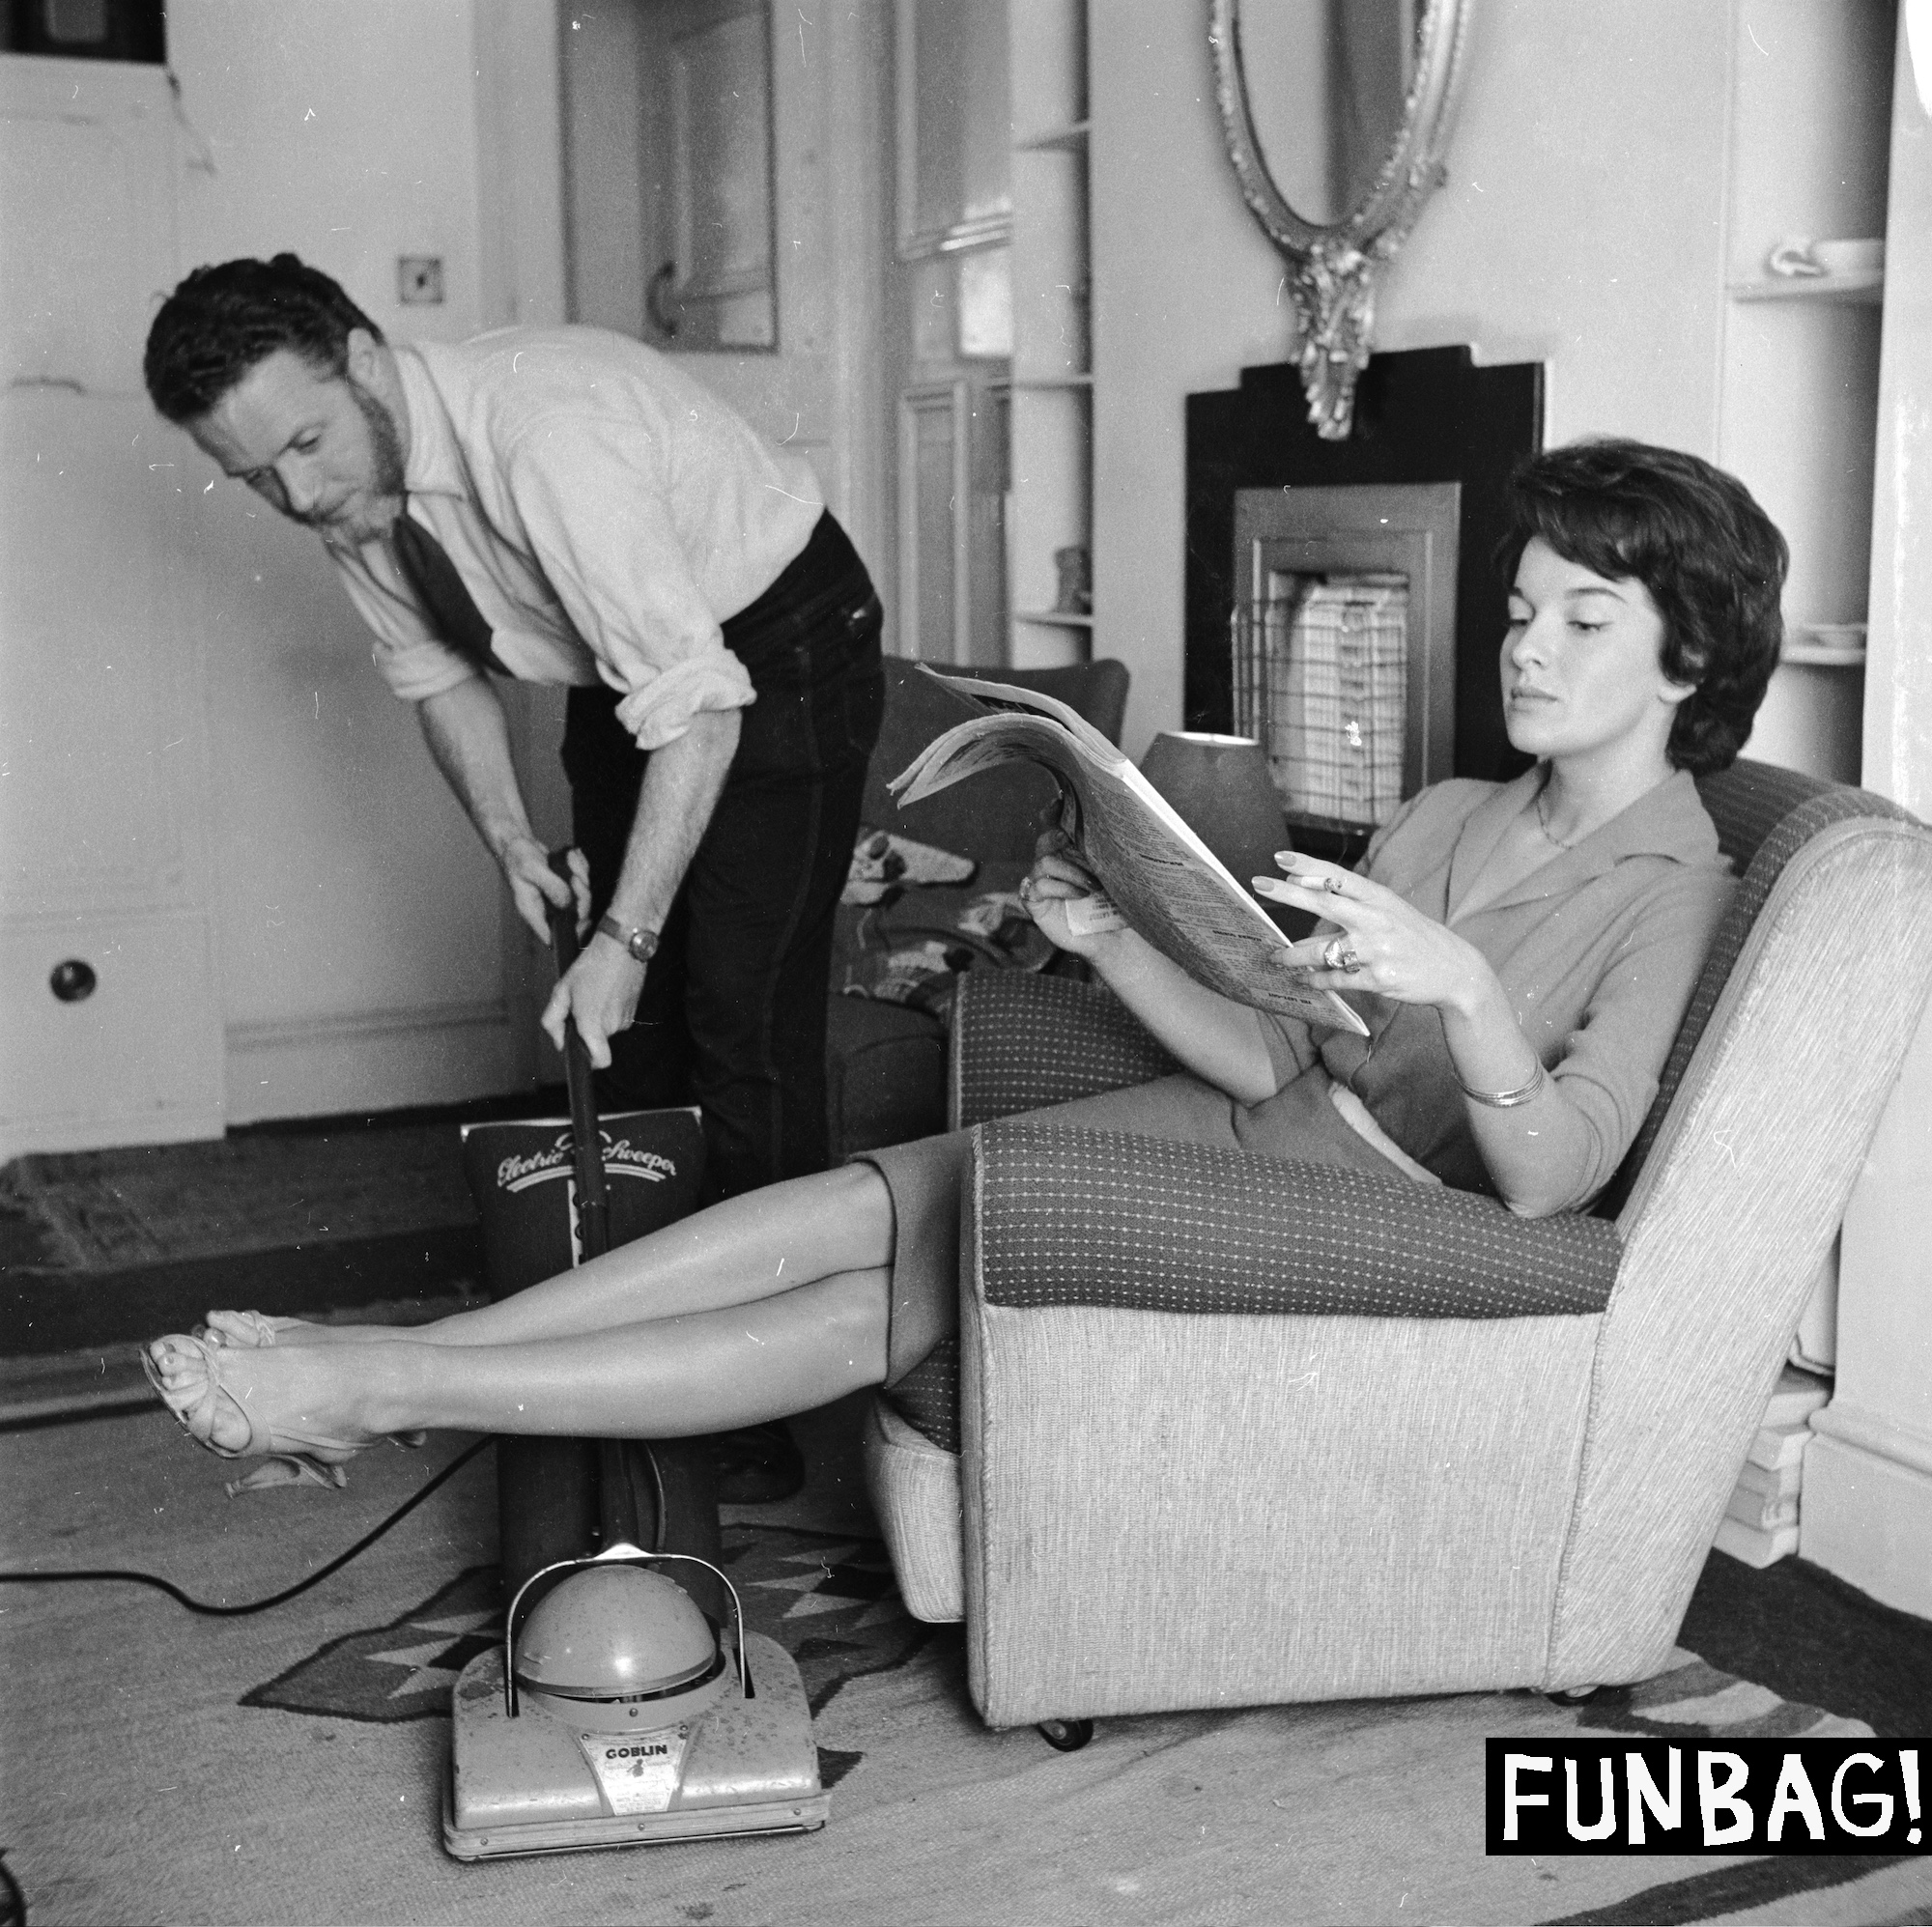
x=110, y=1029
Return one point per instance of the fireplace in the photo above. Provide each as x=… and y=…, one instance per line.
x=1341, y=645
x=1342, y=600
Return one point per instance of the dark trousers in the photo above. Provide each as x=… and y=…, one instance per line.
x=732, y=1014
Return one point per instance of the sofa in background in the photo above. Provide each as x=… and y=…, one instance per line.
x=886, y=1061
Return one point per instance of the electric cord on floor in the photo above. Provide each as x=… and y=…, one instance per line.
x=106, y=1574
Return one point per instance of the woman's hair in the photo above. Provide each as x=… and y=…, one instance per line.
x=221, y=321
x=1713, y=561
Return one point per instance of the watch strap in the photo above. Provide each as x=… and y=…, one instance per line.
x=642, y=944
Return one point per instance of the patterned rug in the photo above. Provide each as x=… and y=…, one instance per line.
x=287, y=1768
x=827, y=1599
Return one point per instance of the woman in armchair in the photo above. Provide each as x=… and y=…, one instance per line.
x=1521, y=953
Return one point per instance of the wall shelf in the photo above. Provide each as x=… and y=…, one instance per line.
x=1862, y=289
x=1798, y=368
x=1062, y=140
x=1050, y=501
x=1808, y=655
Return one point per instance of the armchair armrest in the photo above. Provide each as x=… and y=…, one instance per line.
x=1021, y=1041
x=1072, y=1217
x=1241, y=1433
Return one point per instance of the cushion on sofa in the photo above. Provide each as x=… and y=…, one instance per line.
x=886, y=1061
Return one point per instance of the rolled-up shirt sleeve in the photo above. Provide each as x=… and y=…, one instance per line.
x=408, y=655
x=594, y=501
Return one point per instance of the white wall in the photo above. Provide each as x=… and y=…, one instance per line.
x=1580, y=226
x=360, y=925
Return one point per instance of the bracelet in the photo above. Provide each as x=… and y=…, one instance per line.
x=1508, y=1100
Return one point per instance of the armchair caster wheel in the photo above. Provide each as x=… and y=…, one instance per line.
x=1066, y=1736
x=1573, y=1695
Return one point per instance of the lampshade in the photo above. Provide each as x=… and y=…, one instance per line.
x=1221, y=788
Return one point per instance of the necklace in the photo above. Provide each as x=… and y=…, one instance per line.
x=1542, y=823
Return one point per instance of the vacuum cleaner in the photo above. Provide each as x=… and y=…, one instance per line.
x=617, y=1711
x=615, y=1714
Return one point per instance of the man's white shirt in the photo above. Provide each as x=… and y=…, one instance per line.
x=605, y=511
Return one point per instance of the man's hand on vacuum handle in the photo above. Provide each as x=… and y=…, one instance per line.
x=682, y=782
x=601, y=991
x=535, y=886
x=469, y=738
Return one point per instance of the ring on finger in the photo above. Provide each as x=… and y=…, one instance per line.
x=1333, y=886
x=1338, y=954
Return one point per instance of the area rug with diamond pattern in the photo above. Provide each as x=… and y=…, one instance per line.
x=287, y=1766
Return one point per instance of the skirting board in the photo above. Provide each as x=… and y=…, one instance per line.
x=384, y=1060
x=1868, y=1520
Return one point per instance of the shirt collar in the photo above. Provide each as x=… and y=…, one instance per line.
x=1667, y=821
x=435, y=464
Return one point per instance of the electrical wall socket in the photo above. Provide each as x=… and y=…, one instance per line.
x=419, y=279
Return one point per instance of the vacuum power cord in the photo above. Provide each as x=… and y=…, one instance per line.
x=174, y=1592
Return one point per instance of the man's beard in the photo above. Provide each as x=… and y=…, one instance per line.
x=385, y=484
x=384, y=442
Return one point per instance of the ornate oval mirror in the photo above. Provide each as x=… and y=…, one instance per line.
x=1336, y=114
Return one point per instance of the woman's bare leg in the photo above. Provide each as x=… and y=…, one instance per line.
x=700, y=1372
x=747, y=1248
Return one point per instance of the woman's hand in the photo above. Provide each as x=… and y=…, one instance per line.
x=1384, y=943
x=1059, y=879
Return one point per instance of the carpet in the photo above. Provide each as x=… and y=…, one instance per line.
x=151, y=1204
x=100, y=1246
x=287, y=1768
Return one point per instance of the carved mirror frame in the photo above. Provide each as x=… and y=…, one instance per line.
x=1332, y=269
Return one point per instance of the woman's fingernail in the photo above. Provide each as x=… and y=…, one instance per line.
x=1285, y=859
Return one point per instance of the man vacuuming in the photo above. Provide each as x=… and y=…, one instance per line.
x=564, y=505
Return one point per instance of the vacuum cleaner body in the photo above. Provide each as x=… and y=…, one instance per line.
x=621, y=1717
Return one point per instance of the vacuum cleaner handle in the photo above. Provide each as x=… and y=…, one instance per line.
x=593, y=1208
x=619, y=1515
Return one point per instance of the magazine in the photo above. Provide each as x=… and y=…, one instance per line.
x=1160, y=876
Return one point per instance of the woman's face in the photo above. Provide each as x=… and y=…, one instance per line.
x=1580, y=670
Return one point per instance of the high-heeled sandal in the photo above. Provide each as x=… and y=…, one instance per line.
x=250, y=1331
x=316, y=1456
x=245, y=1331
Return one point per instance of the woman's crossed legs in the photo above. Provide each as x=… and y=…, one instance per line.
x=767, y=1304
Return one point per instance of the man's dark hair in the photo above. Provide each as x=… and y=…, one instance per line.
x=221, y=321
x=1713, y=561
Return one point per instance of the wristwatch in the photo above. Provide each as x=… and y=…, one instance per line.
x=642, y=944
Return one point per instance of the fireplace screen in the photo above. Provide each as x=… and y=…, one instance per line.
x=1321, y=683
x=1344, y=645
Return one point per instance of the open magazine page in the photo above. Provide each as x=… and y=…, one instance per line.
x=1006, y=697
x=1159, y=874
x=985, y=742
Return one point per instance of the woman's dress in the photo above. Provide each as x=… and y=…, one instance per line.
x=1598, y=950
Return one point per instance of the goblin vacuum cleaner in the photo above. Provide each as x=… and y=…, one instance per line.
x=617, y=1718
x=614, y=1714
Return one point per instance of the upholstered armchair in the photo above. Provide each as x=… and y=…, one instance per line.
x=1225, y=1432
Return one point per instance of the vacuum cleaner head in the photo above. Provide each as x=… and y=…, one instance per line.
x=621, y=1717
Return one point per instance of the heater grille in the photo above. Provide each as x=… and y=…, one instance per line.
x=1321, y=679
